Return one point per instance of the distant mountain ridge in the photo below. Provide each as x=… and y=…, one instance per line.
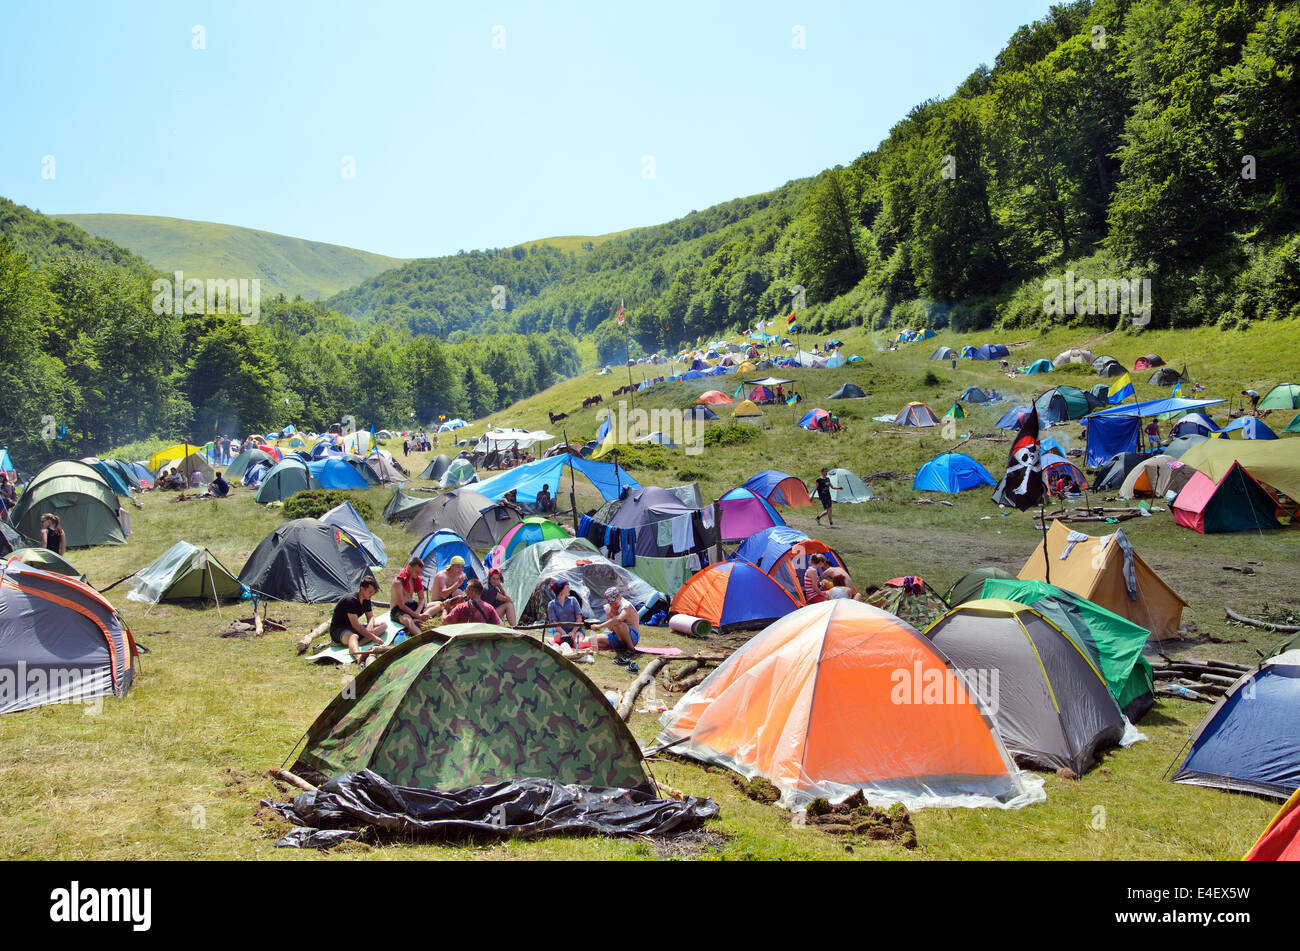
x=207, y=249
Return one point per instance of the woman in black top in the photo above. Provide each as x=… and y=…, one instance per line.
x=823, y=490
x=52, y=536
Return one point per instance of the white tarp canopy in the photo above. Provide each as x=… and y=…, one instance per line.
x=512, y=439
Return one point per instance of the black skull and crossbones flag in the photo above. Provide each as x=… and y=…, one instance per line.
x=1024, y=480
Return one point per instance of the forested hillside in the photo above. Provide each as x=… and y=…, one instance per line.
x=1139, y=139
x=87, y=360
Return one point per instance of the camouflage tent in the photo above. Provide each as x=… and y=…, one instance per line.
x=910, y=599
x=483, y=706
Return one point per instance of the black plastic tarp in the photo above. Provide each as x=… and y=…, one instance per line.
x=364, y=804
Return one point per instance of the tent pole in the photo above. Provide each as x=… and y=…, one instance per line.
x=573, y=485
x=1047, y=558
x=213, y=585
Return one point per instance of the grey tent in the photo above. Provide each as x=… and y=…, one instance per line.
x=385, y=470
x=436, y=467
x=185, y=572
x=944, y=353
x=9, y=539
x=305, y=560
x=1108, y=367
x=360, y=467
x=1178, y=446
x=1116, y=469
x=47, y=560
x=79, y=495
x=460, y=472
x=235, y=471
x=847, y=487
x=699, y=411
x=60, y=641
x=1100, y=392
x=346, y=517
x=1165, y=376
x=529, y=571
x=968, y=586
x=402, y=507
x=474, y=517
x=848, y=391
x=288, y=476
x=1051, y=704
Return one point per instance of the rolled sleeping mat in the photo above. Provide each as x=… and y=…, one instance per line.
x=686, y=624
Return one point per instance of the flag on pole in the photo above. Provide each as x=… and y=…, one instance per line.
x=790, y=319
x=1120, y=390
x=1177, y=386
x=620, y=313
x=1024, y=478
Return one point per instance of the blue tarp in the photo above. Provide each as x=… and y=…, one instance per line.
x=527, y=479
x=1170, y=404
x=1108, y=435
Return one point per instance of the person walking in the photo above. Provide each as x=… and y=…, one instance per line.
x=823, y=491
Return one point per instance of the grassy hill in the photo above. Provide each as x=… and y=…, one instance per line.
x=207, y=249
x=573, y=242
x=209, y=715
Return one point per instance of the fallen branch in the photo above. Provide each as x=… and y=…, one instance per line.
x=285, y=776
x=647, y=675
x=1254, y=622
x=682, y=686
x=685, y=672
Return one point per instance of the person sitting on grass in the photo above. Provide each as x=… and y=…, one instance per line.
x=621, y=622
x=565, y=613
x=446, y=583
x=494, y=593
x=220, y=487
x=346, y=629
x=472, y=607
x=409, y=606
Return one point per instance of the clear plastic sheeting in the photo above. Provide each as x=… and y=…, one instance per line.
x=152, y=581
x=365, y=805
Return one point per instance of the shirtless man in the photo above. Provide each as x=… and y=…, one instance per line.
x=621, y=622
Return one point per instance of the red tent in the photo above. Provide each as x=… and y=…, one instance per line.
x=1236, y=503
x=714, y=397
x=1281, y=840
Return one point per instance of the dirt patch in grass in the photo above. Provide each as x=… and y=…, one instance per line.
x=854, y=817
x=691, y=844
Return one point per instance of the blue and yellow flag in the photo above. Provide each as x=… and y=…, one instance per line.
x=1121, y=389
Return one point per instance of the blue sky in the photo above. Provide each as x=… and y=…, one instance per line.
x=457, y=143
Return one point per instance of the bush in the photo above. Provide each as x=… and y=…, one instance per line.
x=690, y=475
x=930, y=379
x=316, y=502
x=643, y=456
x=733, y=434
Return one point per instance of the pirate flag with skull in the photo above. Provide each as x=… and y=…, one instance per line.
x=1024, y=481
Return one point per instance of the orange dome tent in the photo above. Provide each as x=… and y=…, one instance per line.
x=840, y=696
x=714, y=397
x=916, y=414
x=1281, y=840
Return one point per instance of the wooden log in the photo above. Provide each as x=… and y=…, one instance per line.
x=647, y=675
x=685, y=672
x=1229, y=664
x=1255, y=622
x=288, y=777
x=692, y=681
x=1219, y=679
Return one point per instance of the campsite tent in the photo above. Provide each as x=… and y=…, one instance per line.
x=438, y=549
x=1054, y=467
x=746, y=410
x=1062, y=403
x=1165, y=376
x=384, y=468
x=973, y=394
x=847, y=391
x=714, y=398
x=1113, y=644
x=638, y=520
x=790, y=705
x=1282, y=396
x=235, y=471
x=1149, y=362
x=1179, y=446
x=911, y=599
x=1096, y=569
x=527, y=480
x=1040, y=366
x=185, y=458
x=436, y=467
x=530, y=531
x=46, y=560
x=346, y=517
x=529, y=572
x=951, y=472
x=60, y=641
x=1155, y=475
x=1073, y=355
x=335, y=474
x=401, y=506
x=1280, y=841
x=968, y=586
x=742, y=512
x=185, y=572
x=441, y=712
x=944, y=353
x=1116, y=469
x=812, y=420
x=305, y=560
x=1235, y=503
x=847, y=487
x=1197, y=424
x=459, y=472
x=699, y=412
x=733, y=595
x=956, y=412
x=475, y=518
x=779, y=488
x=79, y=496
x=990, y=351
x=1274, y=462
x=1108, y=367
x=287, y=477
x=1294, y=425
x=1250, y=428
x=782, y=553
x=9, y=539
x=1012, y=418
x=916, y=414
x=1050, y=703
x=1250, y=740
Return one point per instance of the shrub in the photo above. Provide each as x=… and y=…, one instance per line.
x=732, y=434
x=316, y=502
x=690, y=475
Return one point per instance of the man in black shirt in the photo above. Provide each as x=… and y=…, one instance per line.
x=823, y=492
x=220, y=487
x=544, y=501
x=346, y=628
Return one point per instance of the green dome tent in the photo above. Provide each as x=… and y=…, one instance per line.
x=185, y=572
x=968, y=586
x=485, y=706
x=847, y=487
x=1282, y=396
x=401, y=506
x=47, y=560
x=79, y=496
x=460, y=472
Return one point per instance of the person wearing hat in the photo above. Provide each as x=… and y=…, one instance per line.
x=409, y=606
x=565, y=613
x=446, y=583
x=621, y=622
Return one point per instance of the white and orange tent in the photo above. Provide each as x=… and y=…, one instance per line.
x=839, y=696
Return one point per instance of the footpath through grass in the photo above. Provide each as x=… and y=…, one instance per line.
x=176, y=769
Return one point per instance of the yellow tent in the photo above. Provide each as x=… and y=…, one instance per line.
x=746, y=408
x=1275, y=462
x=745, y=367
x=1094, y=569
x=187, y=457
